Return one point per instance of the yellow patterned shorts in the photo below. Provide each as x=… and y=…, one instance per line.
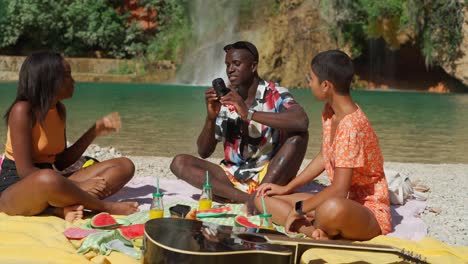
x=251, y=184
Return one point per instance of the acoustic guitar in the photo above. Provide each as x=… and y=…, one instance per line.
x=170, y=240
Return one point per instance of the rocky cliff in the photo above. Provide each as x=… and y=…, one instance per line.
x=287, y=42
x=459, y=68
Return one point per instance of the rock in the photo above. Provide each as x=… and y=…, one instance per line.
x=434, y=210
x=459, y=67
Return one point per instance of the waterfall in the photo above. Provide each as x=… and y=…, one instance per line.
x=214, y=24
x=381, y=63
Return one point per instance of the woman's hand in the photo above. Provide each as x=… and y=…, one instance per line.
x=291, y=225
x=108, y=123
x=270, y=189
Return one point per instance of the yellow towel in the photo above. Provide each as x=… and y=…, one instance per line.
x=432, y=250
x=40, y=239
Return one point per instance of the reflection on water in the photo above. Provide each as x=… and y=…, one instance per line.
x=164, y=120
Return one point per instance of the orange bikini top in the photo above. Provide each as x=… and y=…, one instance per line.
x=48, y=139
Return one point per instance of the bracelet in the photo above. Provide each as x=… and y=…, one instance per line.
x=250, y=114
x=298, y=208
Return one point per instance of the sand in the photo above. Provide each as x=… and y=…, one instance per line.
x=446, y=213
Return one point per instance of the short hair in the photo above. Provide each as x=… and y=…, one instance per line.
x=336, y=67
x=245, y=45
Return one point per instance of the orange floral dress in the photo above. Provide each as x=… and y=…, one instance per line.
x=355, y=145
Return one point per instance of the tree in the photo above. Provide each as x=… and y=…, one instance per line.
x=435, y=24
x=73, y=27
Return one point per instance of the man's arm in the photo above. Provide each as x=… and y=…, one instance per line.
x=293, y=119
x=206, y=142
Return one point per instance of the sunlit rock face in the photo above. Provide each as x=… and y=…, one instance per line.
x=287, y=34
x=459, y=68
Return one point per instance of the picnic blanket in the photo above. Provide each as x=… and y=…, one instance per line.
x=40, y=239
x=406, y=222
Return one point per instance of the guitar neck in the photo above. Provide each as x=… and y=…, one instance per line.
x=278, y=239
x=310, y=243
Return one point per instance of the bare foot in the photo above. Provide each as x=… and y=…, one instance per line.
x=319, y=234
x=122, y=208
x=69, y=213
x=95, y=187
x=72, y=213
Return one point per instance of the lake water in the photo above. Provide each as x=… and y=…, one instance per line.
x=164, y=120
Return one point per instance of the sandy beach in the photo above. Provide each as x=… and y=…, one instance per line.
x=446, y=213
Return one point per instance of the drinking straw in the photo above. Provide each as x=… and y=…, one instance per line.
x=263, y=205
x=157, y=184
x=207, y=178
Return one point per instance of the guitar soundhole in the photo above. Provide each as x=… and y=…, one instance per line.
x=252, y=238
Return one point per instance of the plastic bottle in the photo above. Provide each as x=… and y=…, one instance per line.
x=265, y=221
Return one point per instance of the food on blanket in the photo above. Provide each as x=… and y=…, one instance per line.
x=104, y=221
x=75, y=233
x=123, y=222
x=223, y=209
x=214, y=212
x=156, y=213
x=244, y=221
x=132, y=231
x=192, y=214
x=179, y=210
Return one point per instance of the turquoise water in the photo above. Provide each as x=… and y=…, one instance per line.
x=164, y=120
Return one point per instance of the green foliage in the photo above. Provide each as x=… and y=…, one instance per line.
x=125, y=67
x=439, y=27
x=74, y=27
x=436, y=24
x=172, y=32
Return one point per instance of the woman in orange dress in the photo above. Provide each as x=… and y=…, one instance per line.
x=356, y=204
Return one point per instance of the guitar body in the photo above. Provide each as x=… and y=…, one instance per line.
x=175, y=240
x=171, y=240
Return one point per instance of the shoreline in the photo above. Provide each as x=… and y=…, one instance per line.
x=129, y=78
x=445, y=214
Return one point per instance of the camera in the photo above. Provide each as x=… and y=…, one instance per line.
x=220, y=87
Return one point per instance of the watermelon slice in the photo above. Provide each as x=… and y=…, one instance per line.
x=218, y=210
x=104, y=221
x=132, y=231
x=75, y=233
x=244, y=221
x=213, y=212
